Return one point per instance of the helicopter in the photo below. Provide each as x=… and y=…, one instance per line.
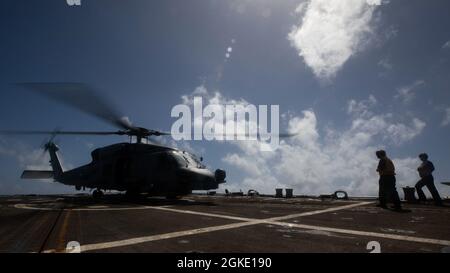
x=143, y=166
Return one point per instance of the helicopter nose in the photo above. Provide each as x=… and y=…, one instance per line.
x=220, y=176
x=200, y=179
x=207, y=178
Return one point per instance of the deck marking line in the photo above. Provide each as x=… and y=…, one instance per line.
x=247, y=222
x=366, y=233
x=24, y=206
x=252, y=221
x=146, y=239
x=309, y=213
x=237, y=218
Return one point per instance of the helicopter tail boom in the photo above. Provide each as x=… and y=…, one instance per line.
x=54, y=160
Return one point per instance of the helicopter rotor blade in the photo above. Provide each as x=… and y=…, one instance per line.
x=160, y=133
x=287, y=135
x=84, y=98
x=105, y=133
x=280, y=135
x=54, y=133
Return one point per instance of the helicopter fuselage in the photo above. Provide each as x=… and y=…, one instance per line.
x=138, y=167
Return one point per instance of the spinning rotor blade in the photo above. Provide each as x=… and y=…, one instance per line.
x=60, y=133
x=159, y=133
x=82, y=97
x=280, y=135
x=286, y=135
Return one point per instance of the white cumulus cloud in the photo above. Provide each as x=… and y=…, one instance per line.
x=316, y=163
x=28, y=158
x=361, y=108
x=332, y=31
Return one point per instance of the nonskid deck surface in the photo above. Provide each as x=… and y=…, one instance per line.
x=200, y=223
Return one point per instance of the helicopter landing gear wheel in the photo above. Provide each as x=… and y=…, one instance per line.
x=97, y=194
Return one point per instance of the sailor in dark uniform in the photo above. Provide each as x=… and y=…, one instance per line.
x=425, y=172
x=387, y=191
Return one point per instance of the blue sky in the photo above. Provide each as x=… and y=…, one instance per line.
x=349, y=76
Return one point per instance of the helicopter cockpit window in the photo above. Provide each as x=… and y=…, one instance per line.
x=189, y=160
x=180, y=160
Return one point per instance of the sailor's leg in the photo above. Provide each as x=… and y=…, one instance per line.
x=434, y=192
x=420, y=193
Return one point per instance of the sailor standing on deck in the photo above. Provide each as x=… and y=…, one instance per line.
x=387, y=190
x=425, y=172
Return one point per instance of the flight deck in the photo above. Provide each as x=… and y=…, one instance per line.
x=217, y=224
